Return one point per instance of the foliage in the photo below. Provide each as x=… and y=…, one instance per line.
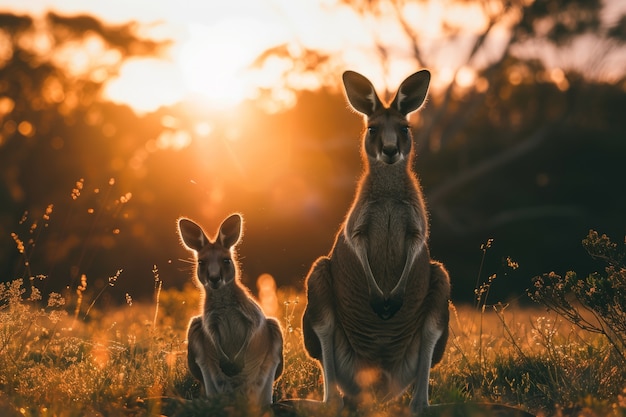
x=596, y=303
x=57, y=129
x=513, y=355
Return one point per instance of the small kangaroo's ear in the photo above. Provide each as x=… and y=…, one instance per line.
x=360, y=93
x=412, y=92
x=230, y=231
x=191, y=234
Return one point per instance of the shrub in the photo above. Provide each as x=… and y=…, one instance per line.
x=596, y=303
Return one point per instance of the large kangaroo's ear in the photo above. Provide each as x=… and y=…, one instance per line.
x=360, y=93
x=230, y=231
x=412, y=92
x=191, y=234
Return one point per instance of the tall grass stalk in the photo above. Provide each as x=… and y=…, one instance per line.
x=481, y=291
x=158, y=284
x=111, y=282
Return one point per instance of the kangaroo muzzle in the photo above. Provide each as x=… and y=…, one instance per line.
x=390, y=151
x=214, y=281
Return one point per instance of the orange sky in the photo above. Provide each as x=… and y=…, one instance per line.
x=215, y=42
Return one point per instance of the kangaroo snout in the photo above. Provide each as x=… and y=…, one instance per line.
x=215, y=281
x=390, y=154
x=390, y=150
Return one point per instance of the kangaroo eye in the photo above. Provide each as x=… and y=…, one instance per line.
x=372, y=130
x=201, y=262
x=404, y=130
x=227, y=261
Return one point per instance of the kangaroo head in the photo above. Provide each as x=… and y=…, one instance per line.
x=216, y=267
x=388, y=136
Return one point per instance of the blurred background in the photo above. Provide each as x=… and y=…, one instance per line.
x=118, y=117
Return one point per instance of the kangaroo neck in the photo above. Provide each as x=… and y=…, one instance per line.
x=222, y=297
x=384, y=179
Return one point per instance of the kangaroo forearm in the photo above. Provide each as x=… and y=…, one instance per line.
x=358, y=244
x=414, y=247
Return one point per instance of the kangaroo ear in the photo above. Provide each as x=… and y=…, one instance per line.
x=191, y=234
x=360, y=93
x=230, y=231
x=412, y=92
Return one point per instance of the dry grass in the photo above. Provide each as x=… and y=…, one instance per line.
x=63, y=355
x=122, y=362
x=52, y=364
x=531, y=359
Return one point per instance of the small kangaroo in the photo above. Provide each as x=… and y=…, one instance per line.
x=233, y=348
x=377, y=305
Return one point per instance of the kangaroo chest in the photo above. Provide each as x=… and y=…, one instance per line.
x=386, y=226
x=230, y=330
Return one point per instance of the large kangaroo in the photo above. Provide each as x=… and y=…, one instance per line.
x=233, y=348
x=377, y=305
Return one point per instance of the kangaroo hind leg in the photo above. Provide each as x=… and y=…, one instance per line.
x=198, y=358
x=441, y=294
x=274, y=360
x=434, y=333
x=318, y=324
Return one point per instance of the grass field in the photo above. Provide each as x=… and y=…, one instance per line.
x=61, y=358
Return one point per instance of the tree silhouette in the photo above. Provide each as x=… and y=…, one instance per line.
x=526, y=153
x=58, y=132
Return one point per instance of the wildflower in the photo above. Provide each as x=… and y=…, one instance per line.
x=511, y=263
x=77, y=189
x=55, y=300
x=113, y=279
x=126, y=198
x=46, y=215
x=18, y=242
x=486, y=245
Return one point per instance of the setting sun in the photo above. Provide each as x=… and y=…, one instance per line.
x=146, y=84
x=213, y=60
x=210, y=64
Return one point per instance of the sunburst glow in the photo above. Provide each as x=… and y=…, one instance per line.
x=146, y=84
x=214, y=59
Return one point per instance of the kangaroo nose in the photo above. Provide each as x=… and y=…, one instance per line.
x=390, y=151
x=214, y=280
